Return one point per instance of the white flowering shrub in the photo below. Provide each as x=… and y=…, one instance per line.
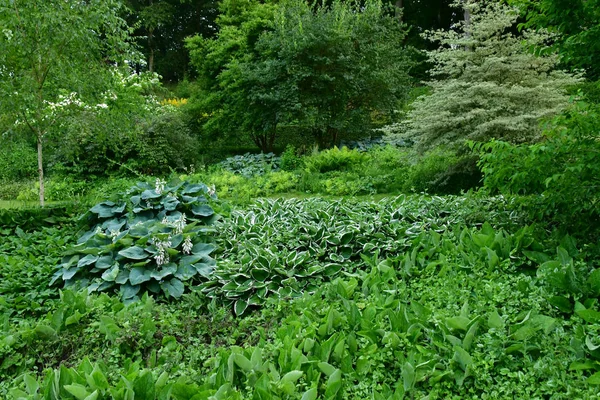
x=151, y=240
x=488, y=83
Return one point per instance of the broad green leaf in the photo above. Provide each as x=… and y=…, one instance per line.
x=93, y=396
x=462, y=357
x=45, y=332
x=87, y=260
x=31, y=384
x=240, y=307
x=334, y=384
x=460, y=323
x=310, y=394
x=104, y=262
x=594, y=379
x=173, y=288
x=111, y=274
x=495, y=320
x=241, y=362
x=203, y=210
x=134, y=253
x=326, y=368
x=166, y=270
x=143, y=387
x=291, y=376
x=150, y=194
x=77, y=390
x=591, y=316
x=139, y=275
x=128, y=291
x=408, y=376
x=203, y=249
x=259, y=274
x=594, y=281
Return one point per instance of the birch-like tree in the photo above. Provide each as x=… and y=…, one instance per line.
x=54, y=56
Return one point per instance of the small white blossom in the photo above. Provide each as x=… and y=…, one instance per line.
x=159, y=185
x=212, y=190
x=187, y=245
x=180, y=224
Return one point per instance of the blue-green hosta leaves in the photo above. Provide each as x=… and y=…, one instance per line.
x=152, y=239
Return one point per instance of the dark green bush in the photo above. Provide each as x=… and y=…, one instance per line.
x=427, y=169
x=290, y=160
x=18, y=160
x=165, y=143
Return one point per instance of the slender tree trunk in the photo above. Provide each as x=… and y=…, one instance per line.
x=40, y=168
x=467, y=16
x=399, y=9
x=151, y=55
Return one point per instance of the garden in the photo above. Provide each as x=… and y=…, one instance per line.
x=299, y=200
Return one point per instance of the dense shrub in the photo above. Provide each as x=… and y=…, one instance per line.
x=290, y=160
x=335, y=159
x=562, y=172
x=165, y=143
x=18, y=160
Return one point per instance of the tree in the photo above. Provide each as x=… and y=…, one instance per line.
x=577, y=23
x=489, y=83
x=54, y=55
x=324, y=69
x=161, y=29
x=221, y=106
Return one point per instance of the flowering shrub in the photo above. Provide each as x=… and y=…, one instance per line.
x=174, y=102
x=152, y=240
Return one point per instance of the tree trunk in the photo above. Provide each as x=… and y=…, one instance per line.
x=40, y=168
x=151, y=55
x=467, y=17
x=399, y=9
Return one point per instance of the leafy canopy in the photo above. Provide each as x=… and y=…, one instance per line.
x=325, y=70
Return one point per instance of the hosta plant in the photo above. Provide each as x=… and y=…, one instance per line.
x=151, y=240
x=251, y=164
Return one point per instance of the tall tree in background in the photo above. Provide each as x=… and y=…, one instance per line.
x=577, y=23
x=161, y=29
x=322, y=69
x=489, y=85
x=55, y=54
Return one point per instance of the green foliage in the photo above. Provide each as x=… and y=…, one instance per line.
x=324, y=69
x=251, y=164
x=427, y=299
x=290, y=160
x=17, y=160
x=26, y=292
x=562, y=168
x=577, y=26
x=150, y=240
x=130, y=134
x=489, y=83
x=54, y=54
x=335, y=160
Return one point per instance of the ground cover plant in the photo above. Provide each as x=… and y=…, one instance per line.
x=407, y=297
